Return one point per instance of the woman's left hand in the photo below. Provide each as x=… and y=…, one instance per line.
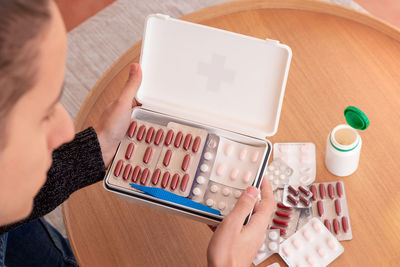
x=115, y=120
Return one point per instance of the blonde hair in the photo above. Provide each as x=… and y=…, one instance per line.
x=21, y=25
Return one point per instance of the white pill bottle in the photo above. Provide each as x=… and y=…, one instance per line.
x=343, y=146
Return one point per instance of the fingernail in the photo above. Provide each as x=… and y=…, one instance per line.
x=134, y=68
x=252, y=192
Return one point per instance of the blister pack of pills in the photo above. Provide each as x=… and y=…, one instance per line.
x=138, y=153
x=226, y=169
x=269, y=246
x=179, y=158
x=284, y=218
x=157, y=156
x=236, y=165
x=329, y=205
x=206, y=164
x=221, y=197
x=278, y=173
x=297, y=197
x=301, y=158
x=192, y=162
x=311, y=245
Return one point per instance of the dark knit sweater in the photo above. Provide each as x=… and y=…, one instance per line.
x=75, y=165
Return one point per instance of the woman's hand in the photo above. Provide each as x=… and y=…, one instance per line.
x=234, y=244
x=115, y=120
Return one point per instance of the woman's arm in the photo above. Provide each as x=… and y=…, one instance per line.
x=83, y=161
x=75, y=165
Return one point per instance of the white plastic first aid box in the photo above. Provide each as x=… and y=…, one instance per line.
x=219, y=94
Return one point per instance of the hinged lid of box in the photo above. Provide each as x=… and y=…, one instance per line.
x=213, y=77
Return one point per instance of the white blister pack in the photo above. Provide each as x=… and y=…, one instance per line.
x=301, y=158
x=311, y=245
x=269, y=246
x=279, y=174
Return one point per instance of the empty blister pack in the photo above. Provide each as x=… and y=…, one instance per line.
x=329, y=205
x=301, y=158
x=278, y=173
x=269, y=246
x=311, y=245
x=297, y=197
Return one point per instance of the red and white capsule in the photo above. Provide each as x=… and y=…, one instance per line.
x=345, y=224
x=187, y=141
x=320, y=208
x=147, y=154
x=149, y=136
x=141, y=132
x=292, y=200
x=167, y=157
x=331, y=191
x=129, y=151
x=174, y=181
x=168, y=138
x=196, y=144
x=165, y=179
x=156, y=177
x=178, y=139
x=185, y=162
x=127, y=171
x=314, y=192
x=304, y=190
x=336, y=226
x=118, y=168
x=339, y=189
x=322, y=192
x=184, y=182
x=338, y=207
x=136, y=173
x=293, y=191
x=280, y=222
x=132, y=129
x=159, y=136
x=282, y=206
x=282, y=214
x=145, y=175
x=327, y=225
x=305, y=201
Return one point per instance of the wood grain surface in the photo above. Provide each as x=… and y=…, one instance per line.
x=340, y=58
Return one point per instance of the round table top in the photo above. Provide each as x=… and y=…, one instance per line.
x=340, y=58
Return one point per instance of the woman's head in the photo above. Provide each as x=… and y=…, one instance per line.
x=32, y=121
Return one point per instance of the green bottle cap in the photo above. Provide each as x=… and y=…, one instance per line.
x=356, y=118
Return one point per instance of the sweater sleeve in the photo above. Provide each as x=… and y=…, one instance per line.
x=75, y=165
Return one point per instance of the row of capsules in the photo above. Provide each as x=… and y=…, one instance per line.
x=143, y=146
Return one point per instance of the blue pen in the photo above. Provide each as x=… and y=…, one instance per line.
x=165, y=195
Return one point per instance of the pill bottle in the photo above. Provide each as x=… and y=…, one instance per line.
x=343, y=144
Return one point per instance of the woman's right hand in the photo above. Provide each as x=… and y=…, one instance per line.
x=235, y=244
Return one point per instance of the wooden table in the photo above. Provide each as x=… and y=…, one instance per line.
x=340, y=58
